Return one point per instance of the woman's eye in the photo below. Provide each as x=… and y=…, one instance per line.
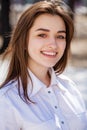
x=61, y=37
x=42, y=35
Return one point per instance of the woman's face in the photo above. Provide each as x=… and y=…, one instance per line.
x=47, y=41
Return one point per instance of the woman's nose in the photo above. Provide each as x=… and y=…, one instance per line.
x=52, y=43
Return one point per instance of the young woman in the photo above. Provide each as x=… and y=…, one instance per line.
x=34, y=94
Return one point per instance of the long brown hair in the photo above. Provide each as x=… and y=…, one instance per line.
x=18, y=43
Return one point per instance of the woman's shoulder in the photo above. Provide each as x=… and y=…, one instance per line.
x=71, y=87
x=68, y=84
x=9, y=88
x=64, y=79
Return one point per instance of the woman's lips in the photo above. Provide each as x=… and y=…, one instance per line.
x=49, y=53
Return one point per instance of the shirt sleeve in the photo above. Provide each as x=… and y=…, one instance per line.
x=7, y=117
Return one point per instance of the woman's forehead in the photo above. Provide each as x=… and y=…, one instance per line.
x=48, y=21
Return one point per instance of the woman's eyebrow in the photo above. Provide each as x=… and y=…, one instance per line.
x=42, y=29
x=61, y=31
x=47, y=30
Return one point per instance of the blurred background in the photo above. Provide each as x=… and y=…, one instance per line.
x=10, y=11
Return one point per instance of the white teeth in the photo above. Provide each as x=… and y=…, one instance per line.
x=49, y=53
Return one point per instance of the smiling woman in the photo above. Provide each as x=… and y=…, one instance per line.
x=35, y=92
x=47, y=42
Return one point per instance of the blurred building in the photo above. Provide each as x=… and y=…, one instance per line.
x=85, y=2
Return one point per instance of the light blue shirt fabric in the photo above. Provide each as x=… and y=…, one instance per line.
x=57, y=107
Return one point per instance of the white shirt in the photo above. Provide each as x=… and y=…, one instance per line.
x=4, y=67
x=57, y=107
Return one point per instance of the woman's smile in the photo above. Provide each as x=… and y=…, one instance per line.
x=49, y=53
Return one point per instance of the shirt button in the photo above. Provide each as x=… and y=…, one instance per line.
x=62, y=122
x=49, y=91
x=55, y=107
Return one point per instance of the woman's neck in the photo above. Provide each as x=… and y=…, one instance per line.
x=42, y=74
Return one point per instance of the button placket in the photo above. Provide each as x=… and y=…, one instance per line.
x=54, y=102
x=56, y=108
x=61, y=118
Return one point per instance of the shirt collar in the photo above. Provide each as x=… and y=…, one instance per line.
x=55, y=80
x=37, y=84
